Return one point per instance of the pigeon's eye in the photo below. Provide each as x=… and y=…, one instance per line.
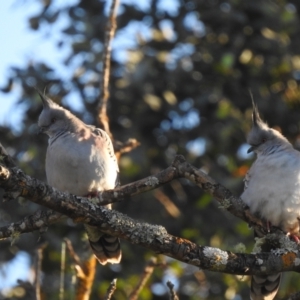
x=53, y=120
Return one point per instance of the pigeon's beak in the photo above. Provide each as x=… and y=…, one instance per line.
x=251, y=149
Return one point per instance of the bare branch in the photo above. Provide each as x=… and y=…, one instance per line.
x=38, y=270
x=104, y=85
x=295, y=296
x=143, y=278
x=85, y=277
x=168, y=204
x=111, y=289
x=85, y=272
x=121, y=148
x=173, y=295
x=5, y=158
x=62, y=271
x=72, y=253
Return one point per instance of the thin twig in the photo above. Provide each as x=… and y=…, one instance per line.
x=85, y=272
x=148, y=270
x=168, y=204
x=62, y=271
x=104, y=85
x=121, y=148
x=5, y=158
x=111, y=289
x=173, y=295
x=72, y=253
x=38, y=270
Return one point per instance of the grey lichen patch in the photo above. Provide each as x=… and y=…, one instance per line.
x=226, y=203
x=99, y=197
x=239, y=248
x=297, y=262
x=194, y=261
x=14, y=194
x=279, y=252
x=259, y=261
x=152, y=181
x=191, y=176
x=147, y=233
x=139, y=232
x=288, y=244
x=113, y=218
x=217, y=256
x=117, y=221
x=22, y=226
x=14, y=236
x=285, y=245
x=95, y=201
x=39, y=223
x=258, y=243
x=49, y=198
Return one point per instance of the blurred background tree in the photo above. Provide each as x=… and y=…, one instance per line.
x=182, y=86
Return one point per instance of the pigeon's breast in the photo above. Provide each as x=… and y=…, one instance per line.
x=79, y=167
x=272, y=189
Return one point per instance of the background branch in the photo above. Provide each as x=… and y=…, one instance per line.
x=148, y=270
x=111, y=289
x=104, y=85
x=173, y=295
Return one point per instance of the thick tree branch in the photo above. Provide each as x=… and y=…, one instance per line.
x=153, y=237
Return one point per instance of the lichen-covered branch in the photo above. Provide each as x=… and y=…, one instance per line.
x=40, y=220
x=295, y=296
x=153, y=237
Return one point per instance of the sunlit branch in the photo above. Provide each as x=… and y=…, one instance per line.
x=148, y=270
x=104, y=85
x=85, y=272
x=173, y=295
x=111, y=289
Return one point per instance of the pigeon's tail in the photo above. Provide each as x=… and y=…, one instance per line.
x=106, y=248
x=264, y=287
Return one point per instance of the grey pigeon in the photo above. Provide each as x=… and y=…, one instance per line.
x=272, y=191
x=80, y=160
